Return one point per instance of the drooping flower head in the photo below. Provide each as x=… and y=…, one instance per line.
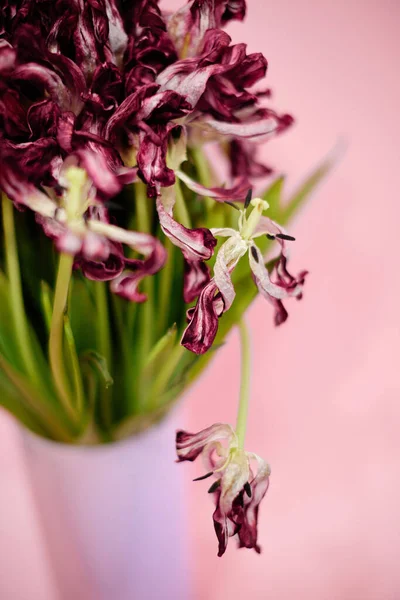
x=241, y=481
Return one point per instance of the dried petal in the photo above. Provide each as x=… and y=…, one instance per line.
x=190, y=445
x=203, y=320
x=196, y=276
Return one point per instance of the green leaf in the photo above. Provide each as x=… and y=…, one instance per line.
x=162, y=347
x=303, y=192
x=274, y=196
x=99, y=365
x=33, y=399
x=78, y=392
x=11, y=400
x=46, y=300
x=82, y=313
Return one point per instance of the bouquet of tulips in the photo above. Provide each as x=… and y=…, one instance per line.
x=131, y=240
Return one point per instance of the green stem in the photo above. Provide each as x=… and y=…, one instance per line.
x=56, y=338
x=243, y=408
x=16, y=296
x=146, y=319
x=104, y=345
x=166, y=278
x=164, y=375
x=180, y=208
x=203, y=171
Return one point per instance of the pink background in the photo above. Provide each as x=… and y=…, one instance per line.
x=325, y=402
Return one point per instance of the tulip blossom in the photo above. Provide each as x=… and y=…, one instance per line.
x=237, y=490
x=218, y=294
x=79, y=225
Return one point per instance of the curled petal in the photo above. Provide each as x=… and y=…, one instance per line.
x=45, y=78
x=190, y=445
x=285, y=286
x=164, y=106
x=223, y=231
x=247, y=129
x=259, y=486
x=268, y=227
x=284, y=279
x=25, y=194
x=117, y=36
x=237, y=192
x=293, y=284
x=227, y=258
x=152, y=164
x=141, y=242
x=188, y=26
x=102, y=270
x=214, y=456
x=65, y=130
x=280, y=314
x=37, y=160
x=104, y=180
x=188, y=80
x=203, y=320
x=127, y=111
x=196, y=244
x=43, y=118
x=262, y=279
x=196, y=276
x=234, y=9
x=127, y=283
x=234, y=477
x=229, y=514
x=243, y=161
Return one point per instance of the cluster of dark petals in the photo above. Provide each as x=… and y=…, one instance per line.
x=104, y=84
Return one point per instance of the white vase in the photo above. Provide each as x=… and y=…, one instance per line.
x=113, y=517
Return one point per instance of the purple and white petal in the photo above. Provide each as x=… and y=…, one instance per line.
x=190, y=445
x=196, y=276
x=259, y=485
x=227, y=258
x=262, y=279
x=236, y=192
x=203, y=320
x=196, y=244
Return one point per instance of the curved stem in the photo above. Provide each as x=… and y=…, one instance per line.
x=243, y=408
x=56, y=338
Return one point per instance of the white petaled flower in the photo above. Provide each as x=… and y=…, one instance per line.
x=79, y=224
x=218, y=295
x=238, y=488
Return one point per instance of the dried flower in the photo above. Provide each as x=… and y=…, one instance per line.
x=217, y=296
x=237, y=490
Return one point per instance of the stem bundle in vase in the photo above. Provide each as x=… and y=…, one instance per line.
x=128, y=255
